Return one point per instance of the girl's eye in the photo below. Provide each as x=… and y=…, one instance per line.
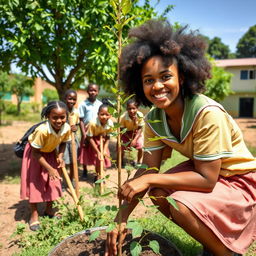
x=166, y=77
x=148, y=81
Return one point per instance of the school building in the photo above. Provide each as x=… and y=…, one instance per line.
x=39, y=86
x=243, y=102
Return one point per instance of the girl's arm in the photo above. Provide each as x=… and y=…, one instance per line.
x=94, y=146
x=82, y=128
x=53, y=173
x=106, y=144
x=203, y=179
x=138, y=134
x=60, y=160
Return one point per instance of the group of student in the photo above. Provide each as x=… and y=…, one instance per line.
x=53, y=137
x=214, y=190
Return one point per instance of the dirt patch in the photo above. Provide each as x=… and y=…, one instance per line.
x=14, y=210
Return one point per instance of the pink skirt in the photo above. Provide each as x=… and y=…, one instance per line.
x=88, y=156
x=229, y=210
x=35, y=182
x=128, y=137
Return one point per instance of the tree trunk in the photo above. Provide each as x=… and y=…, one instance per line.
x=61, y=89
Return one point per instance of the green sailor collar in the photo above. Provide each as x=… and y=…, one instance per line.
x=156, y=118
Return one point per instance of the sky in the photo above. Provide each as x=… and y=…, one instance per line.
x=227, y=19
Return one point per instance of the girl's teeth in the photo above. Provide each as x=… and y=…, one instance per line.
x=160, y=95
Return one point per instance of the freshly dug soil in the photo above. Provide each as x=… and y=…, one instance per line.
x=78, y=244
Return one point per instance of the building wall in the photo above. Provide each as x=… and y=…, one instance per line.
x=239, y=85
x=232, y=103
x=243, y=90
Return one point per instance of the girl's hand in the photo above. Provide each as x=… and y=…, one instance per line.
x=112, y=239
x=100, y=157
x=132, y=187
x=54, y=174
x=133, y=143
x=61, y=162
x=73, y=128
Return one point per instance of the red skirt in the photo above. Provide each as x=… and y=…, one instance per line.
x=88, y=156
x=128, y=137
x=35, y=181
x=229, y=210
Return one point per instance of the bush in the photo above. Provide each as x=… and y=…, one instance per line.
x=10, y=109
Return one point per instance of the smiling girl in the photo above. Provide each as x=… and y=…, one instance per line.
x=40, y=172
x=215, y=190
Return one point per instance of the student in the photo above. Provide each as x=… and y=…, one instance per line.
x=40, y=172
x=88, y=110
x=73, y=120
x=215, y=190
x=101, y=127
x=132, y=121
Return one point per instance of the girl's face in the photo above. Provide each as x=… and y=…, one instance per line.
x=103, y=115
x=57, y=118
x=160, y=82
x=132, y=110
x=71, y=100
x=93, y=92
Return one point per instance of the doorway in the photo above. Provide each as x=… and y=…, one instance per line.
x=246, y=107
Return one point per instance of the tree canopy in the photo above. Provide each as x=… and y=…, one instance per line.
x=64, y=41
x=217, y=49
x=246, y=47
x=218, y=87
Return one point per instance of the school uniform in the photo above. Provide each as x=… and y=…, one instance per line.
x=88, y=111
x=132, y=127
x=208, y=133
x=95, y=130
x=73, y=119
x=35, y=181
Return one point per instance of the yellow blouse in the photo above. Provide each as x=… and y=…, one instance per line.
x=46, y=139
x=95, y=128
x=208, y=132
x=129, y=124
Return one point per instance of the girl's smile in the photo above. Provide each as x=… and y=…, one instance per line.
x=57, y=118
x=71, y=100
x=160, y=82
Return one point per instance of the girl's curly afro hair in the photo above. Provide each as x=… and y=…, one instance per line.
x=158, y=37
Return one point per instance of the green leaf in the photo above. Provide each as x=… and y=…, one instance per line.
x=94, y=235
x=172, y=202
x=137, y=229
x=110, y=227
x=154, y=245
x=135, y=248
x=126, y=6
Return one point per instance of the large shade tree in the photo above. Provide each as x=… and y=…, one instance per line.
x=64, y=41
x=217, y=49
x=246, y=47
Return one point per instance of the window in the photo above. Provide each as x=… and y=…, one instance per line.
x=25, y=98
x=252, y=74
x=6, y=96
x=247, y=74
x=244, y=74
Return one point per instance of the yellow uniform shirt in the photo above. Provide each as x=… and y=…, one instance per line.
x=46, y=139
x=208, y=132
x=73, y=117
x=95, y=128
x=129, y=124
